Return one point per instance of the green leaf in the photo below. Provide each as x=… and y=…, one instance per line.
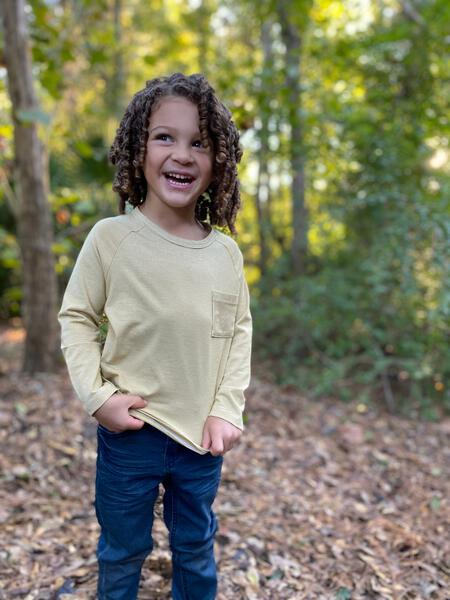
x=435, y=503
x=343, y=593
x=21, y=409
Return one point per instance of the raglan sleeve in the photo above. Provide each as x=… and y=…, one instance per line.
x=79, y=317
x=229, y=401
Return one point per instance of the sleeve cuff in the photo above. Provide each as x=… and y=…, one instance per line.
x=229, y=405
x=100, y=397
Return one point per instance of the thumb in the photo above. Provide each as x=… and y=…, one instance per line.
x=206, y=439
x=133, y=423
x=138, y=403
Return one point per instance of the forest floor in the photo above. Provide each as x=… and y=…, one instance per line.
x=320, y=500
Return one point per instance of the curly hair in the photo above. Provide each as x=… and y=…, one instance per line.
x=221, y=201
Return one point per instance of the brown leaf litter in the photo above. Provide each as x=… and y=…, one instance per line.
x=319, y=500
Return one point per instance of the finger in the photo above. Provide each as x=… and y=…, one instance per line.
x=138, y=402
x=227, y=447
x=217, y=448
x=206, y=439
x=133, y=423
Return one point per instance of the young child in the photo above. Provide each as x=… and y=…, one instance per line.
x=167, y=388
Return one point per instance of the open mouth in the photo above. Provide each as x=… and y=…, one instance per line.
x=179, y=180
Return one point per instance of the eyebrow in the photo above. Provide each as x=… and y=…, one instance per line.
x=170, y=129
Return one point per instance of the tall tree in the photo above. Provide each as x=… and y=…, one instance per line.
x=203, y=17
x=288, y=11
x=33, y=215
x=262, y=196
x=118, y=79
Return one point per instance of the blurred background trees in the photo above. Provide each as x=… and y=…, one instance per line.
x=343, y=109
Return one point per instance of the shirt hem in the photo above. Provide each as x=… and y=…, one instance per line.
x=165, y=428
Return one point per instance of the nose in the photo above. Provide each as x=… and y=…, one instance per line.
x=182, y=153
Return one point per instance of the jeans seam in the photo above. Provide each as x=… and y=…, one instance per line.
x=173, y=527
x=165, y=454
x=103, y=582
x=172, y=520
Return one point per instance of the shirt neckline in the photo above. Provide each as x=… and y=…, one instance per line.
x=170, y=237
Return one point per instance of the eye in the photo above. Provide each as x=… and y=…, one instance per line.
x=164, y=137
x=199, y=144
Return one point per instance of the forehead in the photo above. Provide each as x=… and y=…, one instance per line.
x=173, y=111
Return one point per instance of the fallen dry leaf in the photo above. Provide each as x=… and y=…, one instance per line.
x=319, y=501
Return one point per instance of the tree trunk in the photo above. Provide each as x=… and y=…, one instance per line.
x=34, y=222
x=292, y=41
x=118, y=79
x=262, y=196
x=203, y=19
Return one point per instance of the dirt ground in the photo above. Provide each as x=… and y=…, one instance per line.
x=320, y=500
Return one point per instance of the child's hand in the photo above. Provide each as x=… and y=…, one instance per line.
x=113, y=414
x=219, y=435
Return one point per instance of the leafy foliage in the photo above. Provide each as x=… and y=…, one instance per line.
x=371, y=315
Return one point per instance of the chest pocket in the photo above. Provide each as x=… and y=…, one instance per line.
x=224, y=306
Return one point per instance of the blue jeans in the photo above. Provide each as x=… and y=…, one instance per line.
x=130, y=467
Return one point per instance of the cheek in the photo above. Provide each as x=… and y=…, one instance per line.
x=146, y=169
x=151, y=162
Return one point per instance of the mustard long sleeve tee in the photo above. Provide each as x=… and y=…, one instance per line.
x=179, y=325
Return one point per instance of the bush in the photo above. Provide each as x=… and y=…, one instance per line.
x=357, y=330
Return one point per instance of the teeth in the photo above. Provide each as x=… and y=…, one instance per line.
x=179, y=177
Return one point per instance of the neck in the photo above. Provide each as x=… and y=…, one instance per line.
x=182, y=223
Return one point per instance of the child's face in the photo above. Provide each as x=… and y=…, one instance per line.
x=178, y=169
